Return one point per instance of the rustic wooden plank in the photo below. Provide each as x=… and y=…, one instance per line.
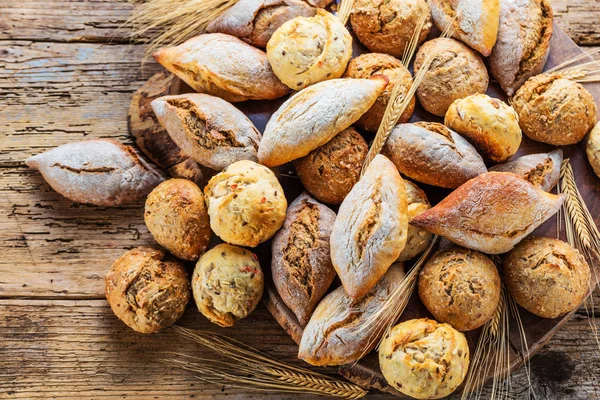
x=579, y=19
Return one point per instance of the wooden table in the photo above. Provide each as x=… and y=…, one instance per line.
x=67, y=72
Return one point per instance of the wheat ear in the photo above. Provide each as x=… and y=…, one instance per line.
x=574, y=69
x=345, y=10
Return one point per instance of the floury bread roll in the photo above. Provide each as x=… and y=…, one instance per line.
x=304, y=51
x=417, y=239
x=223, y=66
x=541, y=170
x=490, y=213
x=313, y=116
x=371, y=228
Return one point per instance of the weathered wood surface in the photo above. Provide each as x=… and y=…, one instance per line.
x=67, y=73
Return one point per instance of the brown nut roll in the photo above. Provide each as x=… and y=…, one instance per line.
x=147, y=289
x=330, y=171
x=176, y=216
x=417, y=239
x=546, y=276
x=523, y=42
x=476, y=21
x=431, y=153
x=490, y=213
x=367, y=65
x=460, y=287
x=424, y=359
x=554, y=110
x=227, y=284
x=204, y=63
x=342, y=329
x=208, y=129
x=456, y=72
x=491, y=125
x=301, y=264
x=386, y=26
x=541, y=170
x=254, y=21
x=593, y=149
x=370, y=230
x=246, y=203
x=102, y=172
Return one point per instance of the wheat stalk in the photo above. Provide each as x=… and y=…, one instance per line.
x=250, y=369
x=409, y=51
x=345, y=10
x=574, y=70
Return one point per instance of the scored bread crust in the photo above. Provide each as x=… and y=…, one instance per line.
x=541, y=170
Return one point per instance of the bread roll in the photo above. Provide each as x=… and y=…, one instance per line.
x=370, y=230
x=593, y=149
x=541, y=170
x=223, y=66
x=301, y=264
x=147, y=289
x=307, y=50
x=102, y=172
x=254, y=21
x=523, y=42
x=208, y=129
x=476, y=22
x=341, y=330
x=429, y=152
x=546, y=276
x=455, y=72
x=491, y=125
x=313, y=116
x=490, y=213
x=417, y=239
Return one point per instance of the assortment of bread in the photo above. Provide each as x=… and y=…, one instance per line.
x=383, y=219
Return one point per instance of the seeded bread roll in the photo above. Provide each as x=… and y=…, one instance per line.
x=491, y=125
x=370, y=230
x=523, y=42
x=301, y=264
x=460, y=287
x=307, y=50
x=456, y=72
x=147, y=289
x=546, y=276
x=417, y=239
x=424, y=359
x=254, y=21
x=429, y=152
x=593, y=149
x=385, y=26
x=176, y=216
x=541, y=170
x=554, y=110
x=204, y=63
x=227, y=284
x=329, y=172
x=367, y=65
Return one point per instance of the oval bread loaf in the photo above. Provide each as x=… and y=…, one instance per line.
x=541, y=170
x=417, y=239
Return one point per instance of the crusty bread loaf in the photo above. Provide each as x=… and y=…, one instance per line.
x=490, y=213
x=339, y=332
x=541, y=170
x=208, y=129
x=371, y=228
x=98, y=171
x=593, y=149
x=301, y=262
x=313, y=116
x=431, y=153
x=417, y=239
x=223, y=66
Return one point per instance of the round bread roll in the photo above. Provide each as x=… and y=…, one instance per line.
x=424, y=359
x=491, y=125
x=593, y=149
x=456, y=72
x=176, y=216
x=227, y=284
x=246, y=203
x=147, y=289
x=460, y=287
x=547, y=277
x=387, y=26
x=418, y=239
x=554, y=110
x=307, y=50
x=329, y=172
x=367, y=65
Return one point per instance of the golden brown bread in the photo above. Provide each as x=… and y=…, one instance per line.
x=371, y=228
x=541, y=170
x=490, y=213
x=593, y=149
x=417, y=240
